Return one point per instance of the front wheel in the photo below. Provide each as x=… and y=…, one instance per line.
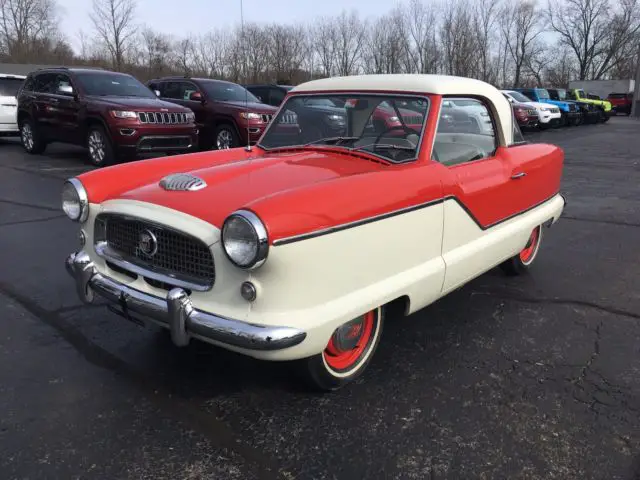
x=521, y=262
x=101, y=151
x=225, y=137
x=347, y=354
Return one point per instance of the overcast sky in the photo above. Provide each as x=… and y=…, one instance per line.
x=177, y=17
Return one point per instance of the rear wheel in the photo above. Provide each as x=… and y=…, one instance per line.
x=347, y=354
x=31, y=138
x=521, y=262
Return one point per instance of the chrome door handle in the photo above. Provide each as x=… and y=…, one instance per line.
x=516, y=176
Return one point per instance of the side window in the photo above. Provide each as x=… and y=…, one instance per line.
x=172, y=90
x=29, y=84
x=187, y=88
x=276, y=97
x=465, y=132
x=261, y=93
x=45, y=83
x=62, y=85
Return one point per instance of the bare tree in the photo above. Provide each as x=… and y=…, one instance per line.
x=485, y=15
x=458, y=39
x=417, y=29
x=520, y=31
x=210, y=53
x=348, y=42
x=324, y=36
x=598, y=34
x=114, y=24
x=24, y=24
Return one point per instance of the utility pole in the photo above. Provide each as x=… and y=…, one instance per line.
x=635, y=105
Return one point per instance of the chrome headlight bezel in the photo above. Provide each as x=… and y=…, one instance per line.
x=82, y=200
x=258, y=231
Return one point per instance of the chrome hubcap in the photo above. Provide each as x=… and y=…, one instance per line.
x=224, y=140
x=27, y=136
x=96, y=147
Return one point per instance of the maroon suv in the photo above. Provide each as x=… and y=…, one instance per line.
x=112, y=114
x=227, y=114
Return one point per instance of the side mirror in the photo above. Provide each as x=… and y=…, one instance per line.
x=196, y=97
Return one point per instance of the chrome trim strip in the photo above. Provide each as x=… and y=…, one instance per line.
x=177, y=313
x=103, y=250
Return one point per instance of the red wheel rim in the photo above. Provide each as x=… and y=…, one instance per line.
x=529, y=251
x=343, y=360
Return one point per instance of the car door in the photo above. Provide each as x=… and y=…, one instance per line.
x=43, y=108
x=478, y=188
x=65, y=109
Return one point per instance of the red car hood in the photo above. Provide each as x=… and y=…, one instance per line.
x=237, y=184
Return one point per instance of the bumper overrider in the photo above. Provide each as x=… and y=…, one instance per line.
x=177, y=313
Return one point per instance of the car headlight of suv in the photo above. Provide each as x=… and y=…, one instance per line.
x=244, y=239
x=191, y=117
x=75, y=202
x=250, y=116
x=123, y=114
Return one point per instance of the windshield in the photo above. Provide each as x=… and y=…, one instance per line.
x=112, y=85
x=387, y=126
x=517, y=96
x=228, y=92
x=560, y=94
x=9, y=86
x=542, y=93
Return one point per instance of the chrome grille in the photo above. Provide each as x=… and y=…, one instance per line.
x=177, y=255
x=163, y=118
x=532, y=112
x=555, y=110
x=266, y=117
x=289, y=118
x=412, y=119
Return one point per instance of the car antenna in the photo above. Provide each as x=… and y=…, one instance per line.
x=246, y=92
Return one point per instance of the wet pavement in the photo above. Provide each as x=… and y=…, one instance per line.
x=534, y=377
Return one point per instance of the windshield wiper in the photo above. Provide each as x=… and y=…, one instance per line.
x=384, y=145
x=331, y=139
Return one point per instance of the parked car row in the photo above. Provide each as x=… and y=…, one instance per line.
x=117, y=117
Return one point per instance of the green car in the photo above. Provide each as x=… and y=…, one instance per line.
x=579, y=95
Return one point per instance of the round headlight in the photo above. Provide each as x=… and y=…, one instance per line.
x=74, y=200
x=244, y=238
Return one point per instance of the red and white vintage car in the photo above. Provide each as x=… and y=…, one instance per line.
x=294, y=249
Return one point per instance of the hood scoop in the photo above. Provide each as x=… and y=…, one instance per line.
x=182, y=182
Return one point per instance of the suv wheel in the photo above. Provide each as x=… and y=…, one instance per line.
x=30, y=137
x=225, y=137
x=99, y=145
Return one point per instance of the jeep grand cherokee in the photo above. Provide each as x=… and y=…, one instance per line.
x=112, y=114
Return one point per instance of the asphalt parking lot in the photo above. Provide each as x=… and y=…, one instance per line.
x=534, y=377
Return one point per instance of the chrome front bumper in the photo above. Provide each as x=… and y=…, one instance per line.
x=177, y=313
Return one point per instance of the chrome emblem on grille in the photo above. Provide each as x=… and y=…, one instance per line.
x=182, y=182
x=148, y=243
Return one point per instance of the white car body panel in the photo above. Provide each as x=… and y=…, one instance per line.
x=9, y=109
x=445, y=249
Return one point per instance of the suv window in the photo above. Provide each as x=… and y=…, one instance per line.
x=45, y=83
x=465, y=132
x=178, y=90
x=9, y=86
x=530, y=94
x=276, y=97
x=107, y=84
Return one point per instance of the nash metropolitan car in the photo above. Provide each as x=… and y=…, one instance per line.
x=294, y=249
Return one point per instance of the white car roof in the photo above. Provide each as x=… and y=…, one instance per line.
x=421, y=84
x=9, y=75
